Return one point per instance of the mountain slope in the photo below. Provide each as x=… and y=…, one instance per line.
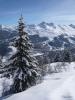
x=59, y=36
x=58, y=86
x=50, y=30
x=44, y=36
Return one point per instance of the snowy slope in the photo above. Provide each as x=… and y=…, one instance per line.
x=44, y=29
x=58, y=86
x=5, y=84
x=8, y=27
x=49, y=32
x=44, y=36
x=59, y=36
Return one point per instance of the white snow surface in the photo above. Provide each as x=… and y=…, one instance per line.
x=57, y=86
x=45, y=30
x=9, y=27
x=14, y=50
x=52, y=31
x=5, y=84
x=37, y=54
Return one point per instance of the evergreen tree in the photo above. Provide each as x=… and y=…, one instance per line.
x=57, y=57
x=22, y=66
x=67, y=56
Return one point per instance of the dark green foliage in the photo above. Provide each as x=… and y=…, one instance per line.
x=67, y=56
x=57, y=57
x=22, y=66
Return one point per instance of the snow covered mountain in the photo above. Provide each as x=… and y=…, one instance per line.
x=50, y=30
x=44, y=36
x=58, y=35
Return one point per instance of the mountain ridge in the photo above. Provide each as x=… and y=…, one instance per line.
x=44, y=36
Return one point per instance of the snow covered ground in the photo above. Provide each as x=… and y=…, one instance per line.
x=57, y=86
x=5, y=84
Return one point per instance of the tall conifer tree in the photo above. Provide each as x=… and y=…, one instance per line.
x=22, y=66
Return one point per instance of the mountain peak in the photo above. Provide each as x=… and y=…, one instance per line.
x=71, y=25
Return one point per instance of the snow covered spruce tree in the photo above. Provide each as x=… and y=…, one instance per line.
x=22, y=67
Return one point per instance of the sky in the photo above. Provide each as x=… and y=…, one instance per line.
x=36, y=11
